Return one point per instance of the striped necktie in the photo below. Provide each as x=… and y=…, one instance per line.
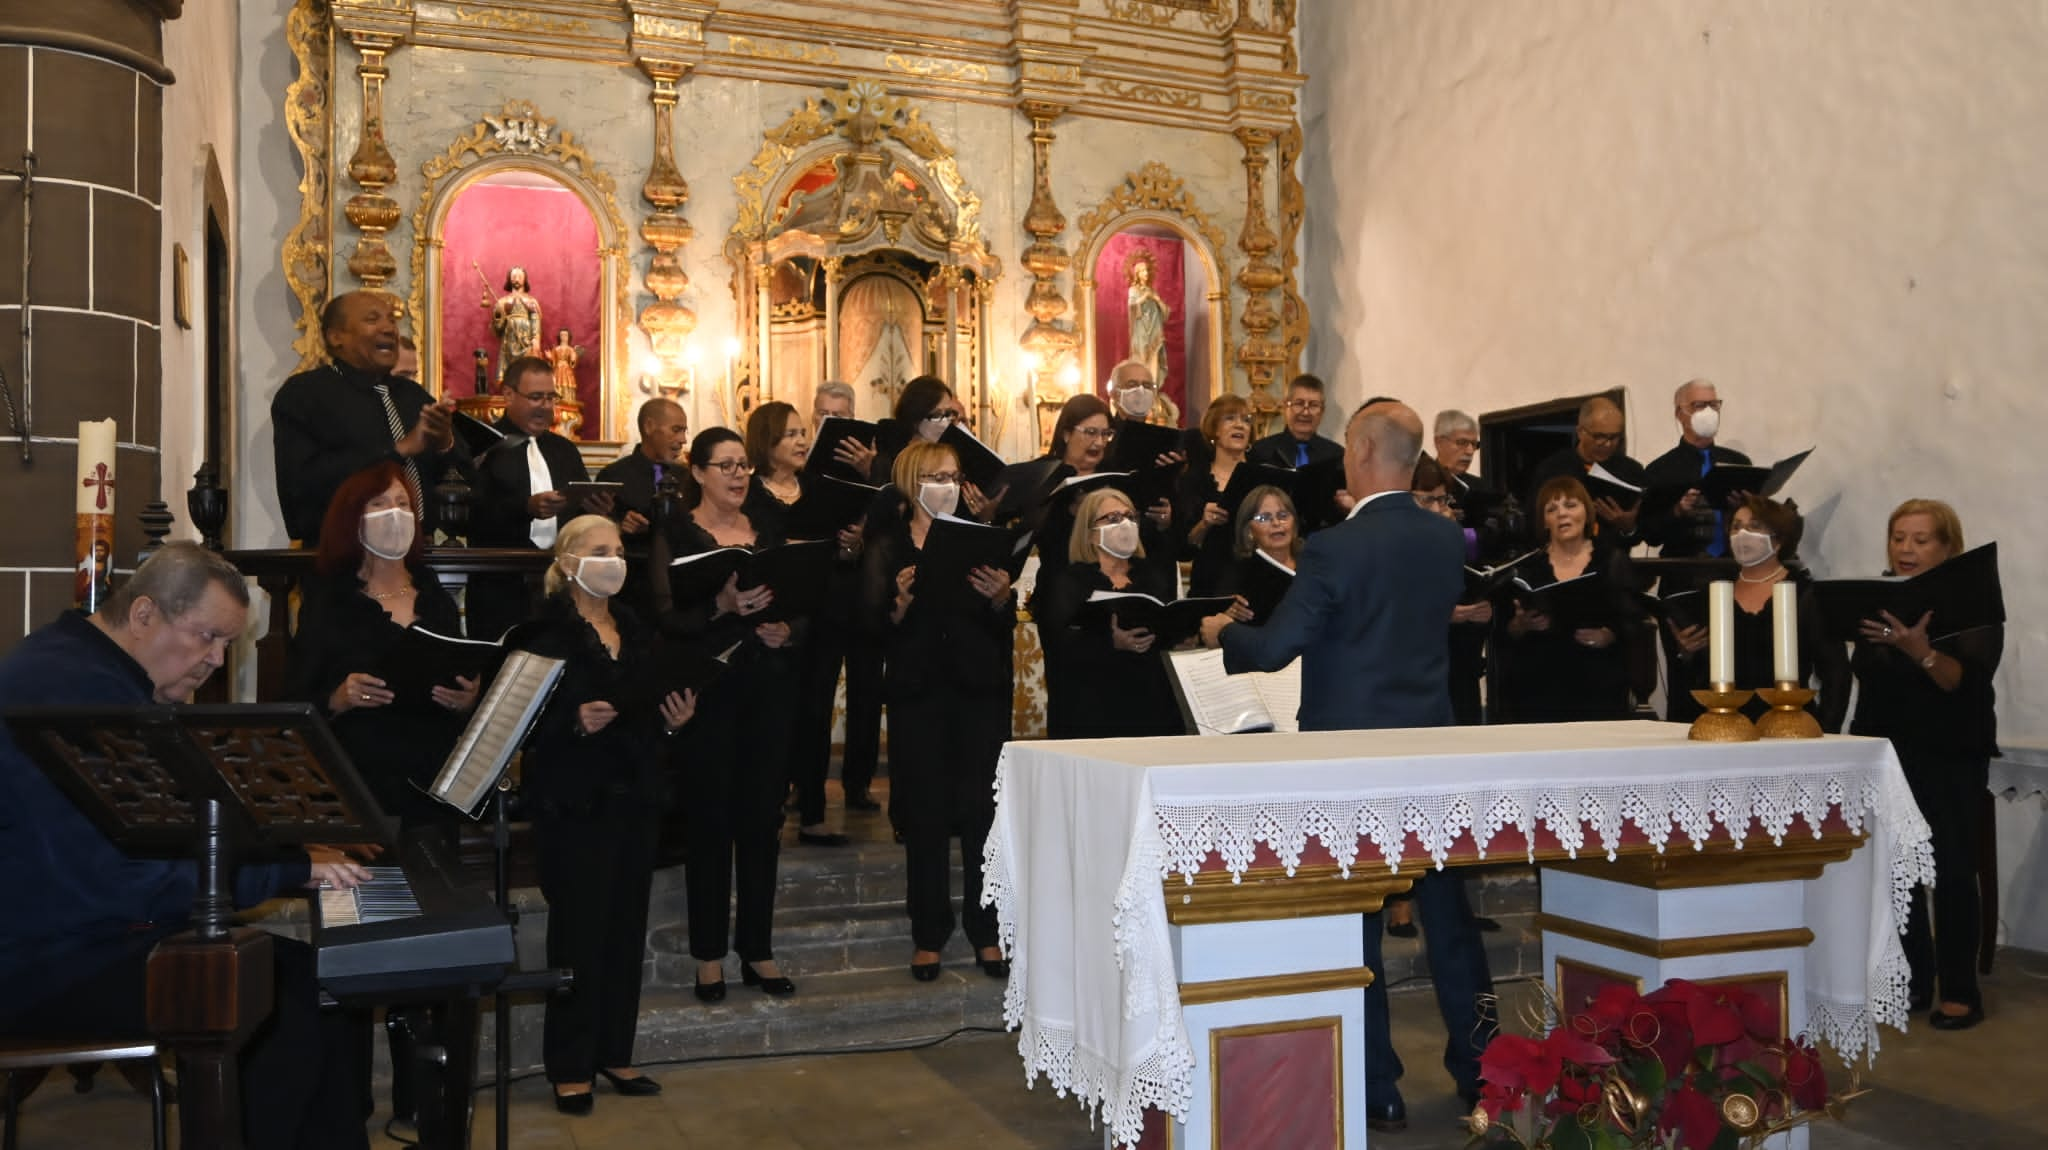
x=412, y=471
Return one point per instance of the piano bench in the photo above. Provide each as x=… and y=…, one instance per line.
x=30, y=1054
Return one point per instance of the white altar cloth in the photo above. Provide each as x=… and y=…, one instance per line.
x=1086, y=830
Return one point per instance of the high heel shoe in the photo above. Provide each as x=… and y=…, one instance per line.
x=925, y=971
x=579, y=1104
x=1942, y=1020
x=998, y=968
x=777, y=987
x=710, y=991
x=639, y=1085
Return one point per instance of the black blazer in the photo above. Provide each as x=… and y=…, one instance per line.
x=1568, y=462
x=327, y=424
x=569, y=774
x=1545, y=676
x=1683, y=536
x=959, y=650
x=1093, y=690
x=499, y=517
x=1281, y=450
x=699, y=623
x=1369, y=616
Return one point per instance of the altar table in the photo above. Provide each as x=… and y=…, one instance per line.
x=1156, y=893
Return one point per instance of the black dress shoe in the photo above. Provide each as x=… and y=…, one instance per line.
x=1386, y=1117
x=822, y=838
x=1940, y=1021
x=578, y=1104
x=637, y=1086
x=777, y=987
x=859, y=801
x=994, y=967
x=710, y=991
x=925, y=971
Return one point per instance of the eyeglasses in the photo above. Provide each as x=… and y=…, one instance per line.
x=1111, y=518
x=1304, y=405
x=1464, y=443
x=941, y=417
x=1603, y=437
x=1433, y=502
x=1703, y=404
x=730, y=467
x=1264, y=518
x=940, y=477
x=537, y=398
x=1102, y=434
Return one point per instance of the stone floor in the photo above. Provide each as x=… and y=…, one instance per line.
x=1929, y=1091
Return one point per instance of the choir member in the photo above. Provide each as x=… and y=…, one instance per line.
x=949, y=683
x=836, y=639
x=1081, y=436
x=648, y=474
x=924, y=409
x=1548, y=673
x=1597, y=444
x=1227, y=426
x=1933, y=698
x=1300, y=446
x=1763, y=537
x=1103, y=683
x=835, y=398
x=591, y=778
x=1268, y=545
x=1470, y=622
x=1690, y=527
x=735, y=756
x=778, y=443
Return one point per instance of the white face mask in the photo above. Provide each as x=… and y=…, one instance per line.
x=601, y=575
x=1136, y=402
x=1750, y=547
x=938, y=498
x=1706, y=421
x=387, y=534
x=1119, y=539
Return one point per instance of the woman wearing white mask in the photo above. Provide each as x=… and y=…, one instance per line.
x=1763, y=539
x=592, y=783
x=948, y=688
x=1103, y=683
x=736, y=757
x=372, y=586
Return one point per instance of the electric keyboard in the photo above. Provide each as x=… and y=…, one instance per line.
x=415, y=930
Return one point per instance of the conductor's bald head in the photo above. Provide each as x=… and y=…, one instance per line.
x=1381, y=445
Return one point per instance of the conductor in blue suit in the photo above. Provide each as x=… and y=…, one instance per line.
x=1368, y=615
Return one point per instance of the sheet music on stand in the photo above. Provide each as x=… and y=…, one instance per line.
x=496, y=729
x=1215, y=702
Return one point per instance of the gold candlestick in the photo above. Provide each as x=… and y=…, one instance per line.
x=1724, y=721
x=1788, y=717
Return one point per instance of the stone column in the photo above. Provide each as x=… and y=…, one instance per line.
x=832, y=267
x=81, y=87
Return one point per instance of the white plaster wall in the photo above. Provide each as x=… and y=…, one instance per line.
x=1833, y=210
x=198, y=117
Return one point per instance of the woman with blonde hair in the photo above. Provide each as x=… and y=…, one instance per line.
x=1227, y=428
x=1103, y=683
x=1931, y=695
x=591, y=778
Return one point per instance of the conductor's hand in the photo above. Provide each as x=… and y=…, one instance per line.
x=733, y=601
x=991, y=583
x=855, y=454
x=1691, y=640
x=1480, y=612
x=905, y=579
x=678, y=708
x=595, y=716
x=337, y=871
x=1136, y=639
x=1212, y=629
x=1598, y=638
x=545, y=504
x=773, y=636
x=600, y=503
x=1526, y=621
x=459, y=698
x=434, y=430
x=357, y=691
x=1610, y=512
x=633, y=524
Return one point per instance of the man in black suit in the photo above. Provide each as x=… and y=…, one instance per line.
x=1598, y=444
x=642, y=472
x=1368, y=617
x=1322, y=498
x=1690, y=527
x=333, y=421
x=519, y=500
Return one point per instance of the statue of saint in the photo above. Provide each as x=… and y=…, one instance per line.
x=515, y=318
x=564, y=357
x=1146, y=314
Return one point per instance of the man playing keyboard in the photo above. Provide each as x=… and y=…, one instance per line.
x=82, y=917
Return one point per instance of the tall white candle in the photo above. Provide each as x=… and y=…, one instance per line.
x=1785, y=633
x=1721, y=633
x=94, y=511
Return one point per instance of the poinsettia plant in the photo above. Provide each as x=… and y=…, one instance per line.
x=1688, y=1066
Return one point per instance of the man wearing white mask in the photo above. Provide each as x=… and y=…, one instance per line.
x=1691, y=528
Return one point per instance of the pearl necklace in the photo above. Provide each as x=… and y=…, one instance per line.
x=381, y=596
x=1772, y=578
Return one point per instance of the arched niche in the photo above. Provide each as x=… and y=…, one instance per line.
x=1153, y=212
x=554, y=209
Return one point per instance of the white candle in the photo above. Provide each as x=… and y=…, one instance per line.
x=1721, y=633
x=94, y=510
x=1785, y=633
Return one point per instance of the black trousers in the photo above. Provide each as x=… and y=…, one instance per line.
x=1949, y=790
x=301, y=1072
x=810, y=756
x=1463, y=981
x=943, y=747
x=735, y=773
x=596, y=872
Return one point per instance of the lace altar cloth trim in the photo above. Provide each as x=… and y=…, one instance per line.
x=1583, y=817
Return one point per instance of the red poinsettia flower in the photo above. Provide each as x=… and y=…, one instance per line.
x=1571, y=1048
x=1805, y=1078
x=1694, y=1116
x=1664, y=1028
x=1575, y=1092
x=1514, y=1062
x=1606, y=1019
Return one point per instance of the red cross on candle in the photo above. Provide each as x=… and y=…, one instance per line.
x=100, y=479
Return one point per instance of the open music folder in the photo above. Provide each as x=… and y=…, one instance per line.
x=496, y=729
x=1216, y=702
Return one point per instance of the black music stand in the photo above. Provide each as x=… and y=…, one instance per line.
x=161, y=780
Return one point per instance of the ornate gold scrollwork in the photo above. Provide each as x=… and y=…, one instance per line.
x=966, y=70
x=1048, y=341
x=306, y=247
x=1294, y=319
x=1258, y=354
x=373, y=169
x=780, y=50
x=1215, y=15
x=506, y=20
x=667, y=321
x=1158, y=94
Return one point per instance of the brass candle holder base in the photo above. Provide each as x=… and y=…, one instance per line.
x=1724, y=721
x=1788, y=717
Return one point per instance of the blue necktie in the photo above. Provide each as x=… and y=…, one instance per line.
x=1300, y=454
x=1718, y=545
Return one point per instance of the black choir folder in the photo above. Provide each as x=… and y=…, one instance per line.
x=1604, y=484
x=957, y=546
x=1138, y=446
x=1171, y=624
x=1263, y=584
x=1582, y=601
x=1247, y=477
x=1215, y=702
x=1725, y=480
x=1963, y=593
x=833, y=431
x=978, y=465
x=799, y=574
x=421, y=660
x=828, y=506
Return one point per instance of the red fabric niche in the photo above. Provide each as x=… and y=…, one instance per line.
x=1112, y=321
x=551, y=234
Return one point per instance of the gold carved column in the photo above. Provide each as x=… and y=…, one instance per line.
x=1294, y=318
x=1048, y=342
x=373, y=169
x=667, y=321
x=832, y=264
x=1260, y=356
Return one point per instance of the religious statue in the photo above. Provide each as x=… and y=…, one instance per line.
x=564, y=357
x=515, y=317
x=1146, y=314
